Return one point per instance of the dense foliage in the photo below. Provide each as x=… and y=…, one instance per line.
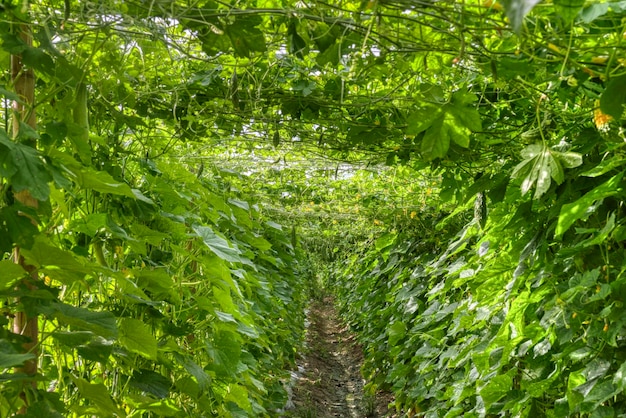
x=453, y=170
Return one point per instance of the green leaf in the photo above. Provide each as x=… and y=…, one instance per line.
x=89, y=178
x=574, y=397
x=601, y=392
x=239, y=395
x=436, y=140
x=605, y=166
x=203, y=379
x=568, y=159
x=8, y=360
x=217, y=244
x=597, y=10
x=245, y=37
x=571, y=212
x=516, y=10
x=224, y=352
x=396, y=332
x=56, y=263
x=330, y=55
x=385, y=241
x=151, y=382
x=90, y=224
x=568, y=9
x=466, y=116
x=540, y=165
x=99, y=395
x=602, y=235
x=9, y=94
x=614, y=97
x=137, y=337
x=99, y=349
x=495, y=389
x=10, y=273
x=157, y=281
x=25, y=168
x=422, y=118
x=100, y=323
x=619, y=378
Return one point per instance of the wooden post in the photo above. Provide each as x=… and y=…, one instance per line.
x=24, y=112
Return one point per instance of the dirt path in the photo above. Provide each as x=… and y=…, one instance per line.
x=331, y=384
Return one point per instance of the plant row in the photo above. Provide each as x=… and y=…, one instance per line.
x=522, y=315
x=157, y=292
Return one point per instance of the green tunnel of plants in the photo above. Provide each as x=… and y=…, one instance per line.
x=178, y=178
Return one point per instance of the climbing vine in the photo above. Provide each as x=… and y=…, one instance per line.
x=176, y=176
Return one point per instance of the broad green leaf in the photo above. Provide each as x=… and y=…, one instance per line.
x=217, y=244
x=396, y=332
x=16, y=228
x=9, y=94
x=239, y=395
x=540, y=165
x=26, y=168
x=137, y=337
x=568, y=159
x=496, y=388
x=73, y=338
x=99, y=349
x=46, y=409
x=99, y=322
x=600, y=393
x=157, y=281
x=603, y=412
x=614, y=97
x=140, y=196
x=258, y=242
x=99, y=395
x=151, y=382
x=7, y=163
x=574, y=397
x=385, y=241
x=203, y=379
x=466, y=116
x=160, y=408
x=601, y=235
x=10, y=273
x=619, y=378
x=571, y=212
x=56, y=263
x=150, y=236
x=461, y=98
x=224, y=352
x=436, y=140
x=516, y=10
x=245, y=37
x=458, y=133
x=605, y=166
x=90, y=224
x=422, y=119
x=224, y=299
x=89, y=178
x=596, y=10
x=330, y=55
x=8, y=360
x=568, y=9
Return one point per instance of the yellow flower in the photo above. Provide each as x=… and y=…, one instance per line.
x=601, y=119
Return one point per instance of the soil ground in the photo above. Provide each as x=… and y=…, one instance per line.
x=330, y=384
